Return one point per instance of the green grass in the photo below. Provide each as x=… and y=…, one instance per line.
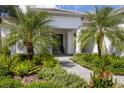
x=107, y=62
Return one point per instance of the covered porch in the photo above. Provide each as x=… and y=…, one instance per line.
x=66, y=38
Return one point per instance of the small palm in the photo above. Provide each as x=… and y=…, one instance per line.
x=103, y=23
x=32, y=29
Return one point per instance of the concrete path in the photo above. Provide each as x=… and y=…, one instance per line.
x=84, y=73
x=74, y=68
x=120, y=79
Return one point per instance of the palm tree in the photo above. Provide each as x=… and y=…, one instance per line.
x=32, y=29
x=103, y=22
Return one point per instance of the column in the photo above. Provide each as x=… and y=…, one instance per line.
x=78, y=49
x=69, y=43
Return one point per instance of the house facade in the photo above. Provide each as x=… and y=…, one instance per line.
x=67, y=26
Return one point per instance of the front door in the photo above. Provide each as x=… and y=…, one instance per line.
x=59, y=49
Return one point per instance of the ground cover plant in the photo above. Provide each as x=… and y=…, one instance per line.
x=110, y=63
x=102, y=80
x=43, y=71
x=36, y=67
x=58, y=76
x=8, y=82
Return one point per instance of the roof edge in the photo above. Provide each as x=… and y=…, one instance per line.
x=61, y=11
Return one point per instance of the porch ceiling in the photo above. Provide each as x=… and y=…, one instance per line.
x=64, y=30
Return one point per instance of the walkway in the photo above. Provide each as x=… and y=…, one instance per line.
x=75, y=68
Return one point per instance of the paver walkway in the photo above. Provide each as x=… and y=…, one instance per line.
x=83, y=72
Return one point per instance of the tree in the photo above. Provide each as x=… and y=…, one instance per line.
x=32, y=29
x=103, y=22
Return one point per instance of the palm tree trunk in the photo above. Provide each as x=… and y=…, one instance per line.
x=30, y=51
x=100, y=43
x=99, y=49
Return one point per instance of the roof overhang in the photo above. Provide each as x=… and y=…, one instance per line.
x=57, y=11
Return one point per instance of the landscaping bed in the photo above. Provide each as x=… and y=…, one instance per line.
x=43, y=71
x=93, y=62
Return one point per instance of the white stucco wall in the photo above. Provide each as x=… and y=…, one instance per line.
x=66, y=22
x=108, y=48
x=4, y=31
x=18, y=47
x=106, y=44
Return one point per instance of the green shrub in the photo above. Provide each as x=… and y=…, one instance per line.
x=40, y=85
x=46, y=59
x=4, y=70
x=46, y=56
x=86, y=57
x=8, y=82
x=98, y=81
x=58, y=77
x=24, y=68
x=111, y=63
x=50, y=63
x=37, y=59
x=68, y=81
x=5, y=64
x=48, y=73
x=118, y=64
x=19, y=57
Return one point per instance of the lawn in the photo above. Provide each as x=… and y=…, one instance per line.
x=93, y=62
x=43, y=71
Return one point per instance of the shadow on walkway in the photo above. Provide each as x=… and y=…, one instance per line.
x=67, y=64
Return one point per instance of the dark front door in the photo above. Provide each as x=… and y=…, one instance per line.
x=59, y=49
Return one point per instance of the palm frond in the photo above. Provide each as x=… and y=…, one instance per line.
x=117, y=39
x=103, y=21
x=32, y=27
x=87, y=36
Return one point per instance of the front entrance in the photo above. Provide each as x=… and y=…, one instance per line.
x=59, y=49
